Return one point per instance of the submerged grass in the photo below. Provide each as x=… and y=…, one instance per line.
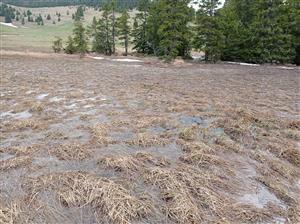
x=110, y=201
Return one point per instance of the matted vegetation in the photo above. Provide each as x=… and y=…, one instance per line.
x=102, y=141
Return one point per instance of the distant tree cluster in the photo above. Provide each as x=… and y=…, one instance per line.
x=8, y=13
x=79, y=14
x=243, y=30
x=260, y=31
x=129, y=4
x=39, y=20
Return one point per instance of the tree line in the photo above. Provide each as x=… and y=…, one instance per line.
x=8, y=13
x=51, y=3
x=256, y=31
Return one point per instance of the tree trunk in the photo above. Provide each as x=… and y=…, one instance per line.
x=113, y=31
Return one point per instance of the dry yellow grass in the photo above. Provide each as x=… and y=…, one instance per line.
x=148, y=158
x=188, y=134
x=100, y=134
x=180, y=206
x=22, y=125
x=111, y=202
x=14, y=162
x=9, y=214
x=148, y=140
x=202, y=159
x=22, y=150
x=71, y=152
x=120, y=163
x=229, y=144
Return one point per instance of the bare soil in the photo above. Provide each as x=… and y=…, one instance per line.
x=108, y=141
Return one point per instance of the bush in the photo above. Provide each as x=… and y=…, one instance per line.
x=70, y=48
x=57, y=45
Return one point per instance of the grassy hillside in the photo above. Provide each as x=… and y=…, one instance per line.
x=32, y=37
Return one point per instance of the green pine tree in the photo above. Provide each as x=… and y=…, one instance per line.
x=97, y=32
x=123, y=29
x=293, y=26
x=271, y=42
x=80, y=38
x=209, y=37
x=113, y=19
x=139, y=32
x=106, y=27
x=168, y=31
x=70, y=47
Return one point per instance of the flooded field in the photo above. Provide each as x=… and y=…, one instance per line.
x=130, y=141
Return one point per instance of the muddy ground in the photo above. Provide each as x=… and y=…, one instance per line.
x=102, y=141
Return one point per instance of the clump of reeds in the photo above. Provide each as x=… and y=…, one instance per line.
x=100, y=134
x=14, y=162
x=120, y=163
x=148, y=140
x=111, y=202
x=188, y=134
x=180, y=206
x=71, y=152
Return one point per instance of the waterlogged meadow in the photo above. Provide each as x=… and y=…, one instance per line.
x=114, y=141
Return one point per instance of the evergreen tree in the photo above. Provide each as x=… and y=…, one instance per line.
x=39, y=20
x=209, y=37
x=264, y=33
x=80, y=38
x=70, y=47
x=97, y=32
x=17, y=18
x=236, y=35
x=106, y=25
x=124, y=29
x=79, y=13
x=48, y=17
x=167, y=28
x=29, y=13
x=139, y=32
x=293, y=26
x=7, y=18
x=271, y=43
x=113, y=19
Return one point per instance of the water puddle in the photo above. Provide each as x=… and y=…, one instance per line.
x=192, y=120
x=157, y=130
x=135, y=104
x=5, y=156
x=122, y=136
x=172, y=151
x=56, y=99
x=42, y=96
x=21, y=115
x=72, y=106
x=261, y=198
x=88, y=106
x=51, y=164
